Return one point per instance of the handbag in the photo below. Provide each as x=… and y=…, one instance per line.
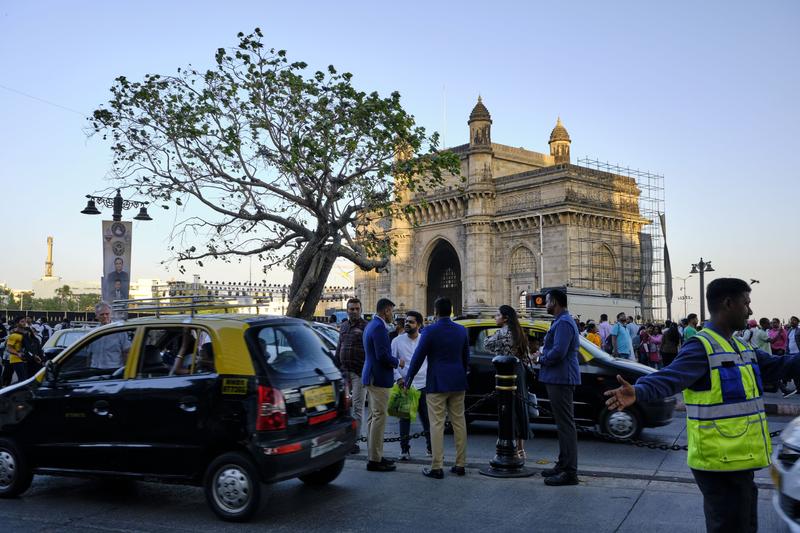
x=533, y=406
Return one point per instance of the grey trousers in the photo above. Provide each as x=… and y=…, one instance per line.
x=561, y=405
x=358, y=392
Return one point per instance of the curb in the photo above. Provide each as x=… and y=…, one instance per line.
x=473, y=464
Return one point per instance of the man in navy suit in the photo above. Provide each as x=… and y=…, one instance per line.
x=445, y=345
x=378, y=377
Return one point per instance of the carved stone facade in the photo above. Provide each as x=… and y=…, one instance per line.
x=522, y=221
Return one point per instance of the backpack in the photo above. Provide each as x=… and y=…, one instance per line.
x=608, y=345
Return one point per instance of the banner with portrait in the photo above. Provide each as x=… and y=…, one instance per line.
x=116, y=281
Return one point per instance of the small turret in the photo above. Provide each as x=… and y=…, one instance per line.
x=480, y=126
x=559, y=143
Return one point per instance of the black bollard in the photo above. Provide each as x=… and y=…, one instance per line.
x=506, y=462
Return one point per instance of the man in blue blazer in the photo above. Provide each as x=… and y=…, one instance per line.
x=378, y=377
x=445, y=345
x=560, y=374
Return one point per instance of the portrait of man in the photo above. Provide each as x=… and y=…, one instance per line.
x=117, y=282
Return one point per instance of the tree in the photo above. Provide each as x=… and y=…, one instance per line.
x=285, y=165
x=64, y=294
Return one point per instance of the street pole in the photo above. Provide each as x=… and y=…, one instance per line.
x=701, y=268
x=541, y=251
x=685, y=297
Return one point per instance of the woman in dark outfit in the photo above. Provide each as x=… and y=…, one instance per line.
x=510, y=339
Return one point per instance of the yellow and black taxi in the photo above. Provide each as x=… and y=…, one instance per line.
x=228, y=402
x=599, y=372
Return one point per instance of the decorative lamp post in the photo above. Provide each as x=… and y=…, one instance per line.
x=701, y=268
x=116, y=244
x=118, y=204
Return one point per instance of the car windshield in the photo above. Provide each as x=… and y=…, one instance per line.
x=293, y=349
x=68, y=338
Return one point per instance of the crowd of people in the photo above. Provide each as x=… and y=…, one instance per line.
x=386, y=351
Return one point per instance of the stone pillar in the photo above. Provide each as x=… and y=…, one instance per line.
x=479, y=266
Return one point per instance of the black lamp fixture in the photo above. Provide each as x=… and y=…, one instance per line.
x=118, y=204
x=91, y=208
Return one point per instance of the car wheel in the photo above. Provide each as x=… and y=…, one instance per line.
x=233, y=487
x=323, y=476
x=625, y=424
x=15, y=473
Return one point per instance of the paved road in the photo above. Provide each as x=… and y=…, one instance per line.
x=367, y=501
x=623, y=488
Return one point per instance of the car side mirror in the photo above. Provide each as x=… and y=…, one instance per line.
x=51, y=372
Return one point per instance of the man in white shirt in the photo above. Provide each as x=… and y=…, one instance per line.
x=604, y=328
x=403, y=347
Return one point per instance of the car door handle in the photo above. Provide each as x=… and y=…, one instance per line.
x=188, y=404
x=101, y=408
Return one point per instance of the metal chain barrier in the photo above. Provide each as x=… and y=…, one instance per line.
x=586, y=430
x=589, y=430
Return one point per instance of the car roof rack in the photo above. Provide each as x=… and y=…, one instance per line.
x=190, y=304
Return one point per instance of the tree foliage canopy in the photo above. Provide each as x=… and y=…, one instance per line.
x=284, y=162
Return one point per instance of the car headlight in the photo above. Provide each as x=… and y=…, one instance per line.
x=790, y=436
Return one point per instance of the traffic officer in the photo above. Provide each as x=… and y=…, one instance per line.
x=721, y=379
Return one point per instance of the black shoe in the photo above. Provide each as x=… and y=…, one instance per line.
x=562, y=478
x=355, y=449
x=458, y=470
x=374, y=466
x=435, y=474
x=550, y=472
x=387, y=462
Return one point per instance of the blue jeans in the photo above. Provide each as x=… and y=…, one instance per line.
x=405, y=425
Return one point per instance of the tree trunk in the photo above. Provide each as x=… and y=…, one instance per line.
x=317, y=285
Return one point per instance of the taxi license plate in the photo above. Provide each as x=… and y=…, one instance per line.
x=318, y=396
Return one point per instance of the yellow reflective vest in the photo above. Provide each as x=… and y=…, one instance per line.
x=726, y=425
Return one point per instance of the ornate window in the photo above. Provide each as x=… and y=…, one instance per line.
x=449, y=279
x=522, y=261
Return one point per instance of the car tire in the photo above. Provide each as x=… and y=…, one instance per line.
x=625, y=424
x=323, y=476
x=233, y=487
x=15, y=472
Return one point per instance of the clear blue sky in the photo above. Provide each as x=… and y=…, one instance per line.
x=702, y=92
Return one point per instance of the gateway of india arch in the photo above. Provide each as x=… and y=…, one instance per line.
x=523, y=221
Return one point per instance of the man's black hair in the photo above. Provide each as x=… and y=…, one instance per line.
x=621, y=313
x=354, y=301
x=691, y=316
x=722, y=288
x=559, y=296
x=417, y=316
x=383, y=303
x=443, y=306
x=603, y=317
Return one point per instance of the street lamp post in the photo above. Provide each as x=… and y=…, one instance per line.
x=701, y=268
x=685, y=296
x=117, y=203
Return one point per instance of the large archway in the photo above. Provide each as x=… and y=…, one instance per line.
x=444, y=277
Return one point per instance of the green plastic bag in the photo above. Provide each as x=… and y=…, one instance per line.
x=404, y=403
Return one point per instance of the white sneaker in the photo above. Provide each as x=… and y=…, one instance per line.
x=405, y=456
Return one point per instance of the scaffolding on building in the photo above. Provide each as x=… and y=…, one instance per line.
x=626, y=267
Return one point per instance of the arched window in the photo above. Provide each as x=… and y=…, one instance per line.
x=523, y=261
x=604, y=270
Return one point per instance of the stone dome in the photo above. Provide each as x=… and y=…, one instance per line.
x=559, y=133
x=479, y=112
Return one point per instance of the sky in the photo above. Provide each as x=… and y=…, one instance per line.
x=704, y=93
